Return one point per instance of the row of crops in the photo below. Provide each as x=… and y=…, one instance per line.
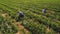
x=36, y=28
x=32, y=12
x=45, y=20
x=7, y=26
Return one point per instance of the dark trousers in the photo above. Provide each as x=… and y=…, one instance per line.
x=19, y=19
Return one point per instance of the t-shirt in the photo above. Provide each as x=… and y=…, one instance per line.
x=20, y=14
x=43, y=10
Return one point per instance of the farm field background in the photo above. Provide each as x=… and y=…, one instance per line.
x=34, y=21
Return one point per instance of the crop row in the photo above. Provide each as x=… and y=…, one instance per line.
x=6, y=26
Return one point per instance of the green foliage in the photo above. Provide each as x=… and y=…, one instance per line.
x=35, y=27
x=31, y=9
x=6, y=26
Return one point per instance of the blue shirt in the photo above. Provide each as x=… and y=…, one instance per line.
x=20, y=15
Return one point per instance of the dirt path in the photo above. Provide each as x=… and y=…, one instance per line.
x=21, y=28
x=47, y=30
x=4, y=15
